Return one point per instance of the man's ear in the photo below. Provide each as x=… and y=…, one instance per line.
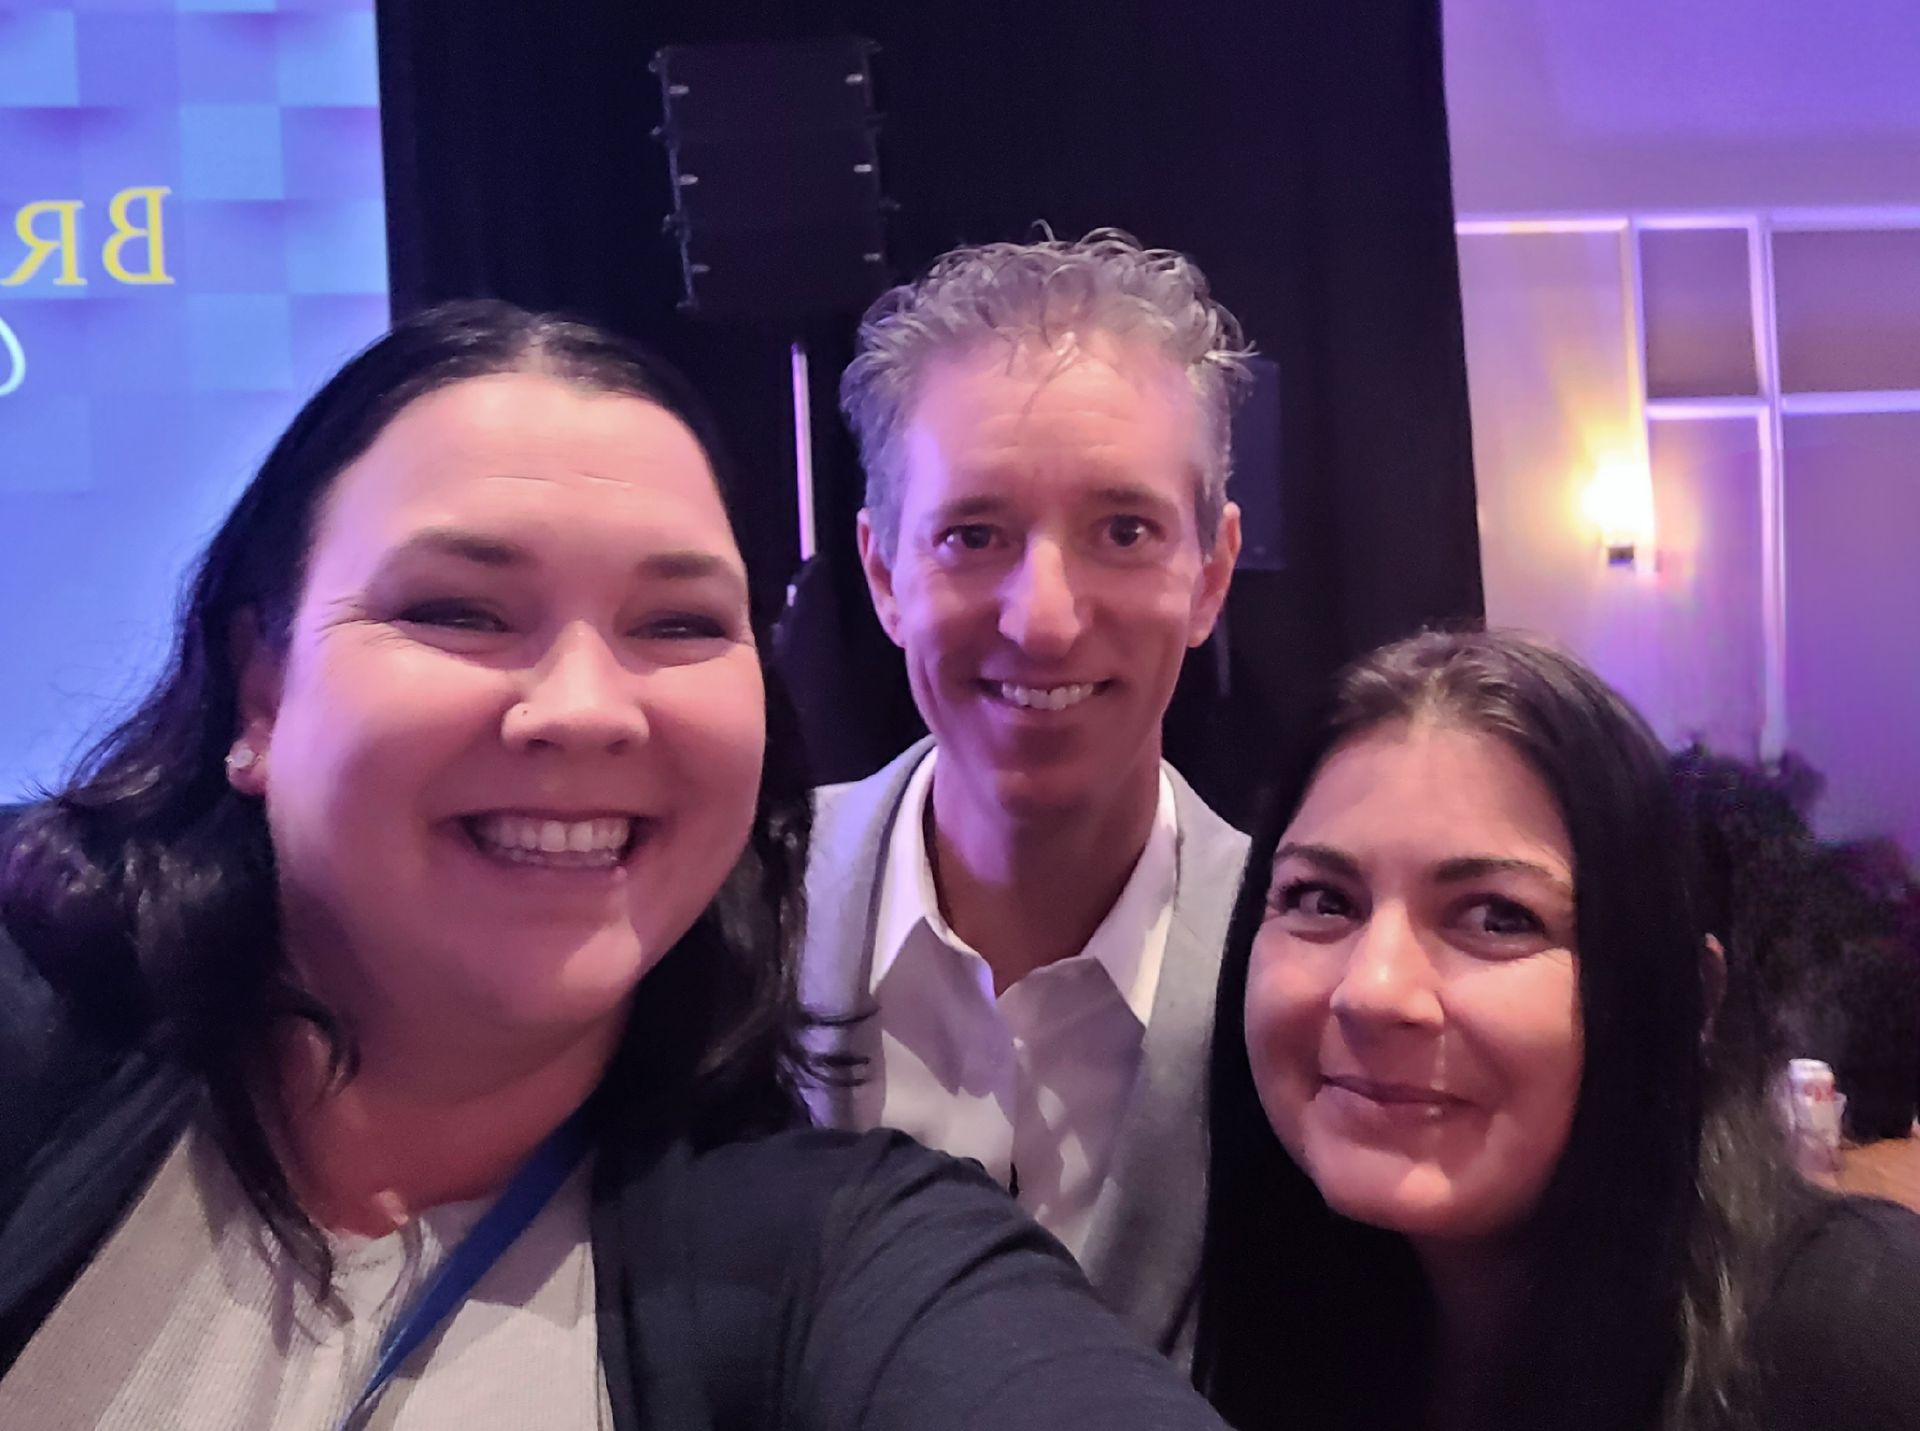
x=877, y=563
x=1216, y=575
x=1713, y=983
x=258, y=673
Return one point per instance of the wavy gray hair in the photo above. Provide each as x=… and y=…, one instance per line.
x=1105, y=283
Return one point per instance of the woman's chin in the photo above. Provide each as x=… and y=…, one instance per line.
x=1414, y=1199
x=575, y=984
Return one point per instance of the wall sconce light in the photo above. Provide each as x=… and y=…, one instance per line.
x=1619, y=503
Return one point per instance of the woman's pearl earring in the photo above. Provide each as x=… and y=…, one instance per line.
x=241, y=759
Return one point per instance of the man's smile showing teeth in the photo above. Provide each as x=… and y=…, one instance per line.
x=597, y=843
x=1042, y=698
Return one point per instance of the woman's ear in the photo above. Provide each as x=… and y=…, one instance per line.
x=1713, y=983
x=258, y=670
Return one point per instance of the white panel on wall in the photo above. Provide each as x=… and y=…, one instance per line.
x=1699, y=313
x=1706, y=658
x=1853, y=617
x=1549, y=379
x=1849, y=308
x=1552, y=367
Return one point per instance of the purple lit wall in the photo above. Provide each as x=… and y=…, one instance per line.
x=1642, y=109
x=1648, y=104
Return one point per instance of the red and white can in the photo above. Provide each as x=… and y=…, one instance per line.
x=1813, y=1105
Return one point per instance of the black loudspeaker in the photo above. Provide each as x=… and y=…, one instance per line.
x=772, y=152
x=1255, y=481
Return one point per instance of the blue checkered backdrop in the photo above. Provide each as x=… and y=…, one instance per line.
x=192, y=235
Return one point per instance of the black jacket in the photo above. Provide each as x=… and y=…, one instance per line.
x=806, y=1279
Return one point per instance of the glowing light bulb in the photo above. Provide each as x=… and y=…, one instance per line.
x=1619, y=503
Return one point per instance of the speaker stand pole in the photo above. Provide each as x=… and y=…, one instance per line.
x=803, y=448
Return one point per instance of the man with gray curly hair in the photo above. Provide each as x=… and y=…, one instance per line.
x=1032, y=902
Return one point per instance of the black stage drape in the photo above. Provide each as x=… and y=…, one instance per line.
x=1297, y=148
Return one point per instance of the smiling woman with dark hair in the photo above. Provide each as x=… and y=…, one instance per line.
x=397, y=1012
x=1476, y=1161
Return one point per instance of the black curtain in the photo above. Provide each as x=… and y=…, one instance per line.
x=1296, y=147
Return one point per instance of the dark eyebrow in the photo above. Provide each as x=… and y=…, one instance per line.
x=1326, y=856
x=687, y=565
x=965, y=509
x=989, y=504
x=467, y=546
x=1454, y=871
x=497, y=552
x=1473, y=867
x=1131, y=496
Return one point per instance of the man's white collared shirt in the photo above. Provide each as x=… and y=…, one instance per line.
x=1033, y=1084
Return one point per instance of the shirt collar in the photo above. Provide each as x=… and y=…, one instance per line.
x=1131, y=940
x=1129, y=943
x=907, y=893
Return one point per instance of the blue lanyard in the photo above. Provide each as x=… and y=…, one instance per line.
x=531, y=1189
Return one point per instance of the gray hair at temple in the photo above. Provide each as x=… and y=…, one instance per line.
x=1016, y=293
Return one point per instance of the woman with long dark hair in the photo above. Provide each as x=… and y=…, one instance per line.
x=1476, y=1158
x=396, y=1011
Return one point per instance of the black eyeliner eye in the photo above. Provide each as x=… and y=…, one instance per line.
x=453, y=616
x=1315, y=899
x=684, y=626
x=1506, y=917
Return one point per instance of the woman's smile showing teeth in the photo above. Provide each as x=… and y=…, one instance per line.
x=1043, y=698
x=598, y=842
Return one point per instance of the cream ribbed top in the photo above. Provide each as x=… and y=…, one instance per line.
x=192, y=1317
